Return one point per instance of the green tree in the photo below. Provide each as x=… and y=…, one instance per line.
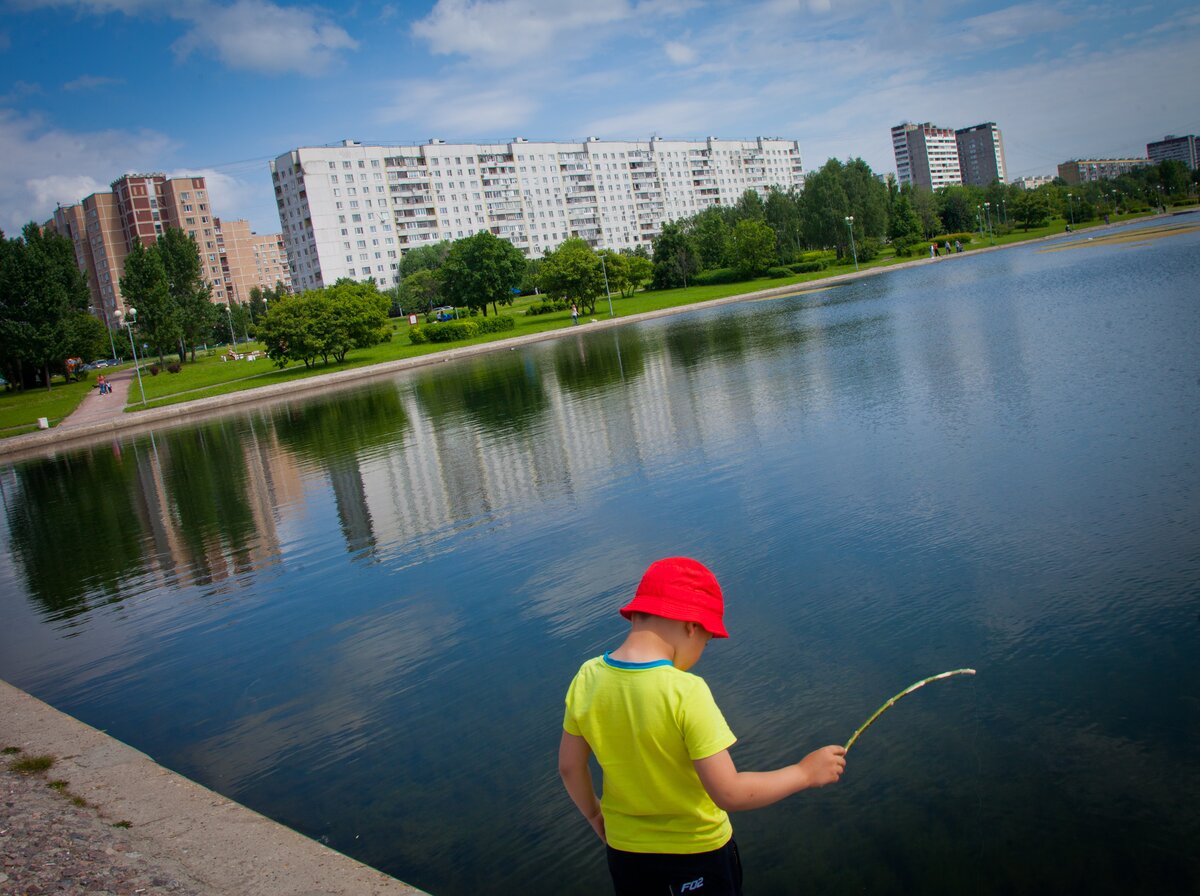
x=424, y=258
x=421, y=289
x=824, y=207
x=904, y=227
x=956, y=208
x=1029, y=208
x=866, y=197
x=783, y=214
x=356, y=317
x=617, y=267
x=480, y=269
x=146, y=288
x=925, y=205
x=749, y=207
x=41, y=292
x=573, y=272
x=753, y=247
x=640, y=271
x=675, y=257
x=193, y=301
x=711, y=234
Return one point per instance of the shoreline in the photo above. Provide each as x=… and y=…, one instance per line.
x=49, y=442
x=116, y=817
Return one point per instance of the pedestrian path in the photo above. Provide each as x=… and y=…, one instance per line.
x=97, y=408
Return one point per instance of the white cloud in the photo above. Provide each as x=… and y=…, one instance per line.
x=258, y=35
x=680, y=54
x=502, y=31
x=460, y=110
x=91, y=82
x=34, y=157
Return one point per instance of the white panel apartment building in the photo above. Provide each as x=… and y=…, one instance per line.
x=926, y=155
x=353, y=210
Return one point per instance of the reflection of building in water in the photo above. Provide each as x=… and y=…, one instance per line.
x=453, y=472
x=271, y=482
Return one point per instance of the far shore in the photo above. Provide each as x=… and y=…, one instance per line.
x=51, y=441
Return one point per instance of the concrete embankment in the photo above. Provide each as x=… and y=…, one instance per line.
x=143, y=824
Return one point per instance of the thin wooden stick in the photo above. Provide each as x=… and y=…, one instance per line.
x=908, y=690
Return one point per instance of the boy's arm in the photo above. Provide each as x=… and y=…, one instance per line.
x=573, y=755
x=733, y=790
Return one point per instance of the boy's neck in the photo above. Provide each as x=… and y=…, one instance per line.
x=644, y=646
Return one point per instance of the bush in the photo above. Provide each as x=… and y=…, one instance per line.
x=546, y=307
x=154, y=369
x=717, y=276
x=776, y=273
x=806, y=267
x=869, y=249
x=174, y=367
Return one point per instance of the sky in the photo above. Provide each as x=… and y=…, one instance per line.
x=93, y=89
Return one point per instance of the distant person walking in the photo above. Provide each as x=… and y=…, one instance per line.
x=574, y=315
x=103, y=384
x=933, y=250
x=957, y=246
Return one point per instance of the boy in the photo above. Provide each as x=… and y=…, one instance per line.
x=663, y=746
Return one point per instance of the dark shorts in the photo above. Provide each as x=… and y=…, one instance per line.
x=716, y=873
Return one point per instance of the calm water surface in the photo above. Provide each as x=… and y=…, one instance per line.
x=358, y=614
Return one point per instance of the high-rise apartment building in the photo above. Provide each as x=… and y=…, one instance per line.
x=980, y=154
x=933, y=157
x=1078, y=171
x=926, y=155
x=104, y=227
x=1172, y=148
x=353, y=210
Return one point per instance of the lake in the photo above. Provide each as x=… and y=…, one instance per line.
x=358, y=613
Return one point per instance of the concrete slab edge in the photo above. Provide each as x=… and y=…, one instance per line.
x=217, y=842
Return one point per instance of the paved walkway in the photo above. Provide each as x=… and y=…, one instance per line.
x=97, y=408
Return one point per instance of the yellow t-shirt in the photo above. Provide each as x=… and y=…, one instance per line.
x=646, y=722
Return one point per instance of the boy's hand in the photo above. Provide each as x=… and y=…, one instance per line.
x=824, y=766
x=597, y=823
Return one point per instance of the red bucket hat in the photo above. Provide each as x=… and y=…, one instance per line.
x=683, y=589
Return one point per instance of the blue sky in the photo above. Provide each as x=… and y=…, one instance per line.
x=91, y=89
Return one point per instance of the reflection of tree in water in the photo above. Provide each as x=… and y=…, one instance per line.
x=334, y=432
x=599, y=360
x=343, y=425
x=204, y=470
x=502, y=392
x=76, y=535
x=729, y=336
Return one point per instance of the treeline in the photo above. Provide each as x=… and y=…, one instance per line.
x=844, y=208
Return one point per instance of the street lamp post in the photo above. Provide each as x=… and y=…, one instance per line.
x=232, y=335
x=850, y=227
x=107, y=326
x=129, y=326
x=607, y=291
x=987, y=210
x=1071, y=208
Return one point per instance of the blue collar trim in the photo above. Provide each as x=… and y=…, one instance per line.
x=621, y=664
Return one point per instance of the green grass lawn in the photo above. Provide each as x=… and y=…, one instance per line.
x=19, y=411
